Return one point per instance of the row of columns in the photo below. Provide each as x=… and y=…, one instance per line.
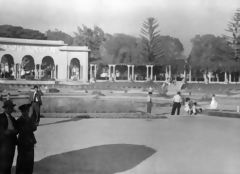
x=38, y=72
x=130, y=70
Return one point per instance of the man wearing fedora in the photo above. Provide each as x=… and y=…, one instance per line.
x=8, y=137
x=36, y=101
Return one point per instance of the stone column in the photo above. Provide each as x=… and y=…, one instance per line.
x=109, y=72
x=35, y=72
x=114, y=72
x=225, y=77
x=217, y=76
x=170, y=72
x=133, y=76
x=166, y=73
x=230, y=77
x=95, y=71
x=128, y=72
x=209, y=77
x=151, y=72
x=91, y=66
x=56, y=72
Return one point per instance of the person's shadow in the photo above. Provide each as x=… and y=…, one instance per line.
x=104, y=159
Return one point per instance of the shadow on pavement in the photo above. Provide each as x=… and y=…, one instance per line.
x=105, y=159
x=68, y=120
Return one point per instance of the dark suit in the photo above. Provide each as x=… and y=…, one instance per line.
x=8, y=141
x=36, y=101
x=26, y=141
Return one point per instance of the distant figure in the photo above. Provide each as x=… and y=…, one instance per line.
x=177, y=100
x=188, y=106
x=150, y=90
x=8, y=137
x=26, y=140
x=36, y=101
x=8, y=96
x=214, y=103
x=196, y=109
x=149, y=103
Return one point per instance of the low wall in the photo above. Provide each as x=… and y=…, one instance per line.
x=86, y=104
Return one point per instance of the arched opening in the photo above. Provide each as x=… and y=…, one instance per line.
x=27, y=67
x=48, y=68
x=7, y=67
x=74, y=69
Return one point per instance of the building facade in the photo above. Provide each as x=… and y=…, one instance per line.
x=42, y=60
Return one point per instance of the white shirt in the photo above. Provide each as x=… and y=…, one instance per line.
x=34, y=96
x=177, y=98
x=10, y=124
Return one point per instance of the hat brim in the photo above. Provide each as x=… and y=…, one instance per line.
x=9, y=106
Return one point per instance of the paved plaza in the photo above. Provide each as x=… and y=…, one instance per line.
x=176, y=144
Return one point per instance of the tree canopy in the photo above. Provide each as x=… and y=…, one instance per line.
x=121, y=48
x=19, y=32
x=211, y=53
x=151, y=47
x=234, y=30
x=93, y=38
x=59, y=35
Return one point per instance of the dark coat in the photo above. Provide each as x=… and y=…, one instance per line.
x=26, y=127
x=26, y=141
x=38, y=94
x=8, y=141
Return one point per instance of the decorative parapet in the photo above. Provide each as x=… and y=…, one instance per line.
x=31, y=41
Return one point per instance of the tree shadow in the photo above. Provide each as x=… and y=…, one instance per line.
x=105, y=159
x=77, y=118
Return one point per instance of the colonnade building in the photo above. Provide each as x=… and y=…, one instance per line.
x=42, y=60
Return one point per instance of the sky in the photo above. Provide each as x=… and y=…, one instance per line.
x=182, y=19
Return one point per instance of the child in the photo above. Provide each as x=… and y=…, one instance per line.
x=188, y=106
x=195, y=109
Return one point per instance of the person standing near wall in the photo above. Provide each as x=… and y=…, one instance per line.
x=177, y=100
x=149, y=102
x=35, y=98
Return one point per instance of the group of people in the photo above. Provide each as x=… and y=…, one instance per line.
x=19, y=132
x=191, y=107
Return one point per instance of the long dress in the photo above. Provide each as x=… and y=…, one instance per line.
x=213, y=104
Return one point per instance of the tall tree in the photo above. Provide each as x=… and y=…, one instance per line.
x=121, y=48
x=19, y=32
x=234, y=29
x=211, y=53
x=150, y=40
x=93, y=38
x=59, y=35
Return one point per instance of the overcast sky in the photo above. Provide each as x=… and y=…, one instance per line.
x=178, y=18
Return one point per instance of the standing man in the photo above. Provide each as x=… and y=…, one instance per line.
x=36, y=101
x=8, y=137
x=177, y=100
x=26, y=140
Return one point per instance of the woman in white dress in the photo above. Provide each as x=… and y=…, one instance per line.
x=214, y=103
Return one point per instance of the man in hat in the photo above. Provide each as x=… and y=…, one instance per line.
x=36, y=101
x=8, y=137
x=26, y=140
